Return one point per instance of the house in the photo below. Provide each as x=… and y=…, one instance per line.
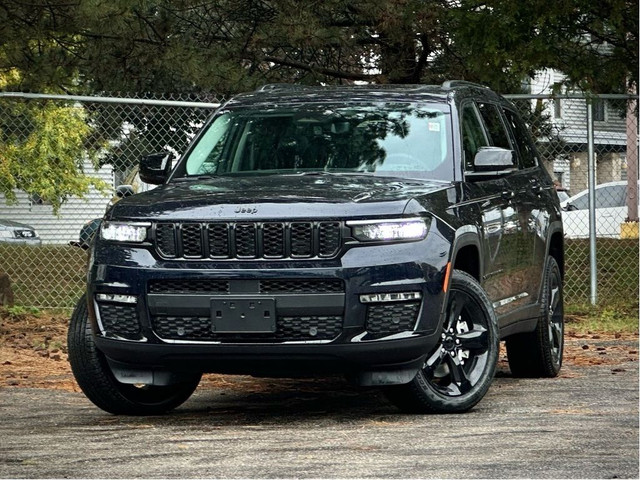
x=569, y=117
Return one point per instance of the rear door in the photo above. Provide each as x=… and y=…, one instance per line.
x=535, y=190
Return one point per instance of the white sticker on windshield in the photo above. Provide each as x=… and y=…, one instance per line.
x=434, y=127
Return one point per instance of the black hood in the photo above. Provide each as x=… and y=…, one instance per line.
x=281, y=196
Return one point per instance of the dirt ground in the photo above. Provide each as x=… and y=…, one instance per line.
x=33, y=353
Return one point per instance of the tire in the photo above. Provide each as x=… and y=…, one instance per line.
x=539, y=353
x=94, y=376
x=459, y=371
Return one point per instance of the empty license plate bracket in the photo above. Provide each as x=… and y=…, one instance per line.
x=231, y=314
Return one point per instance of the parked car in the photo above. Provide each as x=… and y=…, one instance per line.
x=18, y=233
x=611, y=211
x=87, y=232
x=391, y=234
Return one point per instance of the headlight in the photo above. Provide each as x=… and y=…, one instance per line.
x=124, y=232
x=381, y=230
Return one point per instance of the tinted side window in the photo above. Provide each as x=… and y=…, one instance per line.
x=613, y=196
x=606, y=197
x=491, y=116
x=522, y=138
x=473, y=136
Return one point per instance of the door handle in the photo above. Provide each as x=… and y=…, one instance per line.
x=535, y=186
x=507, y=195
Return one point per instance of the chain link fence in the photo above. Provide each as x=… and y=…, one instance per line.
x=48, y=271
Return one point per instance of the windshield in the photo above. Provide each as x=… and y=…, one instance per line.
x=389, y=139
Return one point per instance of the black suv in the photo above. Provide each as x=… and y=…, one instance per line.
x=393, y=234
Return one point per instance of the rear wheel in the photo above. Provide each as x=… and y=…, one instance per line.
x=457, y=374
x=539, y=353
x=95, y=378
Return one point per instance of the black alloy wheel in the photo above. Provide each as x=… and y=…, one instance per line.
x=458, y=373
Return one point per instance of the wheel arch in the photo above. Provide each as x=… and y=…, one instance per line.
x=555, y=245
x=466, y=254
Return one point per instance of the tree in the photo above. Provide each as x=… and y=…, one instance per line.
x=42, y=149
x=226, y=46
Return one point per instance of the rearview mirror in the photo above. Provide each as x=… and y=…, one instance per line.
x=155, y=168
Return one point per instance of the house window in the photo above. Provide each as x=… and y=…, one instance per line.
x=599, y=110
x=557, y=108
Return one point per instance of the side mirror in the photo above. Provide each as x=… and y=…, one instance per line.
x=124, y=191
x=155, y=168
x=494, y=159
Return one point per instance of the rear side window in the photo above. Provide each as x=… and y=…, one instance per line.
x=491, y=116
x=522, y=138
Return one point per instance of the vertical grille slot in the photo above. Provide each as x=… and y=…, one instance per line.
x=329, y=238
x=246, y=240
x=301, y=239
x=273, y=240
x=192, y=240
x=219, y=240
x=166, y=239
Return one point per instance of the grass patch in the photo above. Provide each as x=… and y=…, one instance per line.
x=612, y=318
x=617, y=271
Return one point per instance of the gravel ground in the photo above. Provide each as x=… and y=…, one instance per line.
x=583, y=424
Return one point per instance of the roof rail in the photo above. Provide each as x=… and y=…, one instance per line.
x=270, y=87
x=461, y=83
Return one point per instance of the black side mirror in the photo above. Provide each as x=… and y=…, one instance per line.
x=124, y=191
x=155, y=168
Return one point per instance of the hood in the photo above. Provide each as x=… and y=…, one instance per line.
x=281, y=196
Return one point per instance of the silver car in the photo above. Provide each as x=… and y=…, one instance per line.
x=18, y=233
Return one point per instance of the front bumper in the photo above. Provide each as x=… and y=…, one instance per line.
x=322, y=325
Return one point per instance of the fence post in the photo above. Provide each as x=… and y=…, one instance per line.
x=591, y=161
x=632, y=162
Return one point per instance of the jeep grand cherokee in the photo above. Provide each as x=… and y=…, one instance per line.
x=393, y=234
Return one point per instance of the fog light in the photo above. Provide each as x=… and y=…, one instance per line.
x=116, y=298
x=390, y=297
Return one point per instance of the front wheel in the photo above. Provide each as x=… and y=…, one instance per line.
x=459, y=371
x=95, y=378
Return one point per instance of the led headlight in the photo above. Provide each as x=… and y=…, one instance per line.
x=124, y=232
x=381, y=230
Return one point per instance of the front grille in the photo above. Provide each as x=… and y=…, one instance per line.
x=389, y=318
x=121, y=320
x=299, y=328
x=248, y=240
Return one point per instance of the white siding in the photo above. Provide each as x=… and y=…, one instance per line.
x=73, y=214
x=573, y=120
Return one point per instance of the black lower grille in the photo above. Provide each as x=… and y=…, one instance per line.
x=301, y=286
x=287, y=329
x=195, y=285
x=389, y=318
x=121, y=320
